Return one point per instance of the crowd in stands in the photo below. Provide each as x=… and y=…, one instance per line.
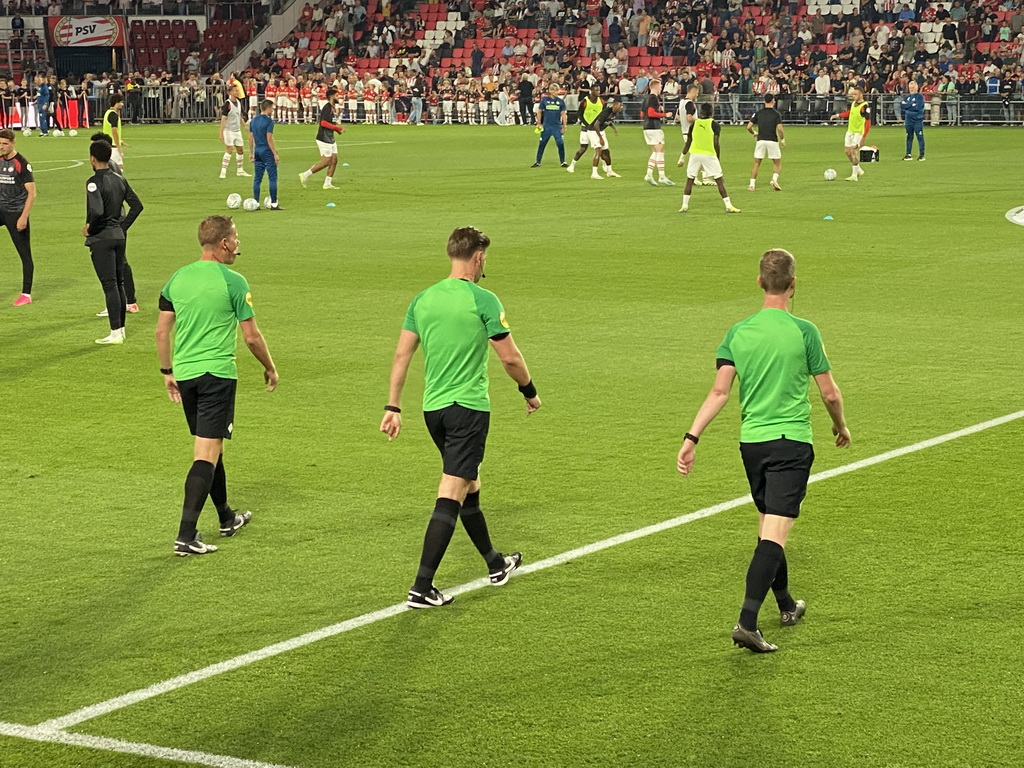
x=807, y=54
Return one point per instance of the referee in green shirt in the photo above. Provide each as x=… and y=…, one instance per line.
x=774, y=355
x=455, y=321
x=203, y=304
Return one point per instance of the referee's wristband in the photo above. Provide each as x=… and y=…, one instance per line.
x=166, y=371
x=694, y=438
x=528, y=390
x=392, y=408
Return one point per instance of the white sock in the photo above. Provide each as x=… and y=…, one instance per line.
x=686, y=201
x=238, y=162
x=775, y=178
x=727, y=201
x=572, y=164
x=224, y=162
x=608, y=169
x=752, y=182
x=327, y=180
x=659, y=160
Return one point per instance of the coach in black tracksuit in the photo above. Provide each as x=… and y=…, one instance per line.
x=105, y=225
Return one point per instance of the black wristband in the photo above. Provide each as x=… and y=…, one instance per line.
x=166, y=371
x=528, y=390
x=392, y=408
x=694, y=438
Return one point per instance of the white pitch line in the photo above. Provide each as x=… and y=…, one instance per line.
x=35, y=733
x=142, y=694
x=342, y=146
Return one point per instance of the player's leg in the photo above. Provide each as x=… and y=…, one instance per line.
x=909, y=128
x=332, y=165
x=318, y=166
x=595, y=162
x=776, y=170
x=225, y=161
x=688, y=189
x=129, y=281
x=560, y=143
x=919, y=130
x=272, y=182
x=122, y=304
x=23, y=245
x=259, y=168
x=584, y=146
x=753, y=173
x=606, y=155
x=544, y=138
x=104, y=262
x=651, y=162
x=659, y=163
x=239, y=159
x=208, y=402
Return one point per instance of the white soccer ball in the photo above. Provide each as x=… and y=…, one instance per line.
x=830, y=174
x=267, y=201
x=234, y=201
x=251, y=204
x=27, y=132
x=72, y=132
x=58, y=132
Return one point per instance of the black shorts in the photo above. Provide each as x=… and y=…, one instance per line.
x=777, y=471
x=460, y=434
x=209, y=404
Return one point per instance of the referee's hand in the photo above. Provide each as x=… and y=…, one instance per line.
x=172, y=388
x=270, y=377
x=842, y=434
x=684, y=462
x=391, y=424
x=532, y=404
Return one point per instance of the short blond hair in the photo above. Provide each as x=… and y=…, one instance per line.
x=213, y=229
x=778, y=270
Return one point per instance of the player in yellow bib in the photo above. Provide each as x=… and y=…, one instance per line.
x=858, y=125
x=703, y=148
x=590, y=107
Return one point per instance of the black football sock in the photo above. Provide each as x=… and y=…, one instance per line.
x=219, y=492
x=780, y=587
x=197, y=488
x=476, y=526
x=760, y=575
x=435, y=542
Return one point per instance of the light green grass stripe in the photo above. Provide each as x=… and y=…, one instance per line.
x=142, y=694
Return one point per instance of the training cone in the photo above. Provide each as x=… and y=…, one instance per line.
x=828, y=218
x=330, y=205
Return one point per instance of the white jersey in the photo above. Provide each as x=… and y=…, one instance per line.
x=233, y=112
x=685, y=124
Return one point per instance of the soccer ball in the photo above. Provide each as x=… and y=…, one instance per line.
x=267, y=201
x=234, y=201
x=251, y=204
x=830, y=174
x=27, y=132
x=72, y=132
x=58, y=132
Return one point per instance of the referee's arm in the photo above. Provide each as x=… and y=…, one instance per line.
x=408, y=341
x=514, y=363
x=833, y=400
x=713, y=404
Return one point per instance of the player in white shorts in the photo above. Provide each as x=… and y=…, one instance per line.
x=652, y=116
x=592, y=105
x=703, y=148
x=857, y=128
x=599, y=141
x=327, y=128
x=766, y=126
x=231, y=135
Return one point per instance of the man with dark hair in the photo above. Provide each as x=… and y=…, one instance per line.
x=263, y=152
x=231, y=117
x=104, y=232
x=17, y=195
x=203, y=304
x=326, y=142
x=129, y=276
x=112, y=125
x=766, y=127
x=704, y=150
x=456, y=320
x=774, y=355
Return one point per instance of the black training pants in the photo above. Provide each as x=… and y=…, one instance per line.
x=108, y=261
x=23, y=245
x=129, y=276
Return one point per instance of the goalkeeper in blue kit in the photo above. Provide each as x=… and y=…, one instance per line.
x=913, y=119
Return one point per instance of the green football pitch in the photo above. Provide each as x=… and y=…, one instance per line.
x=614, y=656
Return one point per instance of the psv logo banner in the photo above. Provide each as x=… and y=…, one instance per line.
x=86, y=31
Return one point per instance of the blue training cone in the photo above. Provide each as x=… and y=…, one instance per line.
x=828, y=218
x=330, y=205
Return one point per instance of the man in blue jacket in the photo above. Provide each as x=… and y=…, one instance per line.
x=43, y=98
x=913, y=118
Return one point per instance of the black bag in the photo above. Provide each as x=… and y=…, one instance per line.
x=869, y=154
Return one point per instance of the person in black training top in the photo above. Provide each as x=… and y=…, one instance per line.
x=129, y=276
x=105, y=223
x=766, y=125
x=17, y=194
x=325, y=142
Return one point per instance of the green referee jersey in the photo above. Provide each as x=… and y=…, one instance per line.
x=775, y=354
x=209, y=301
x=455, y=319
